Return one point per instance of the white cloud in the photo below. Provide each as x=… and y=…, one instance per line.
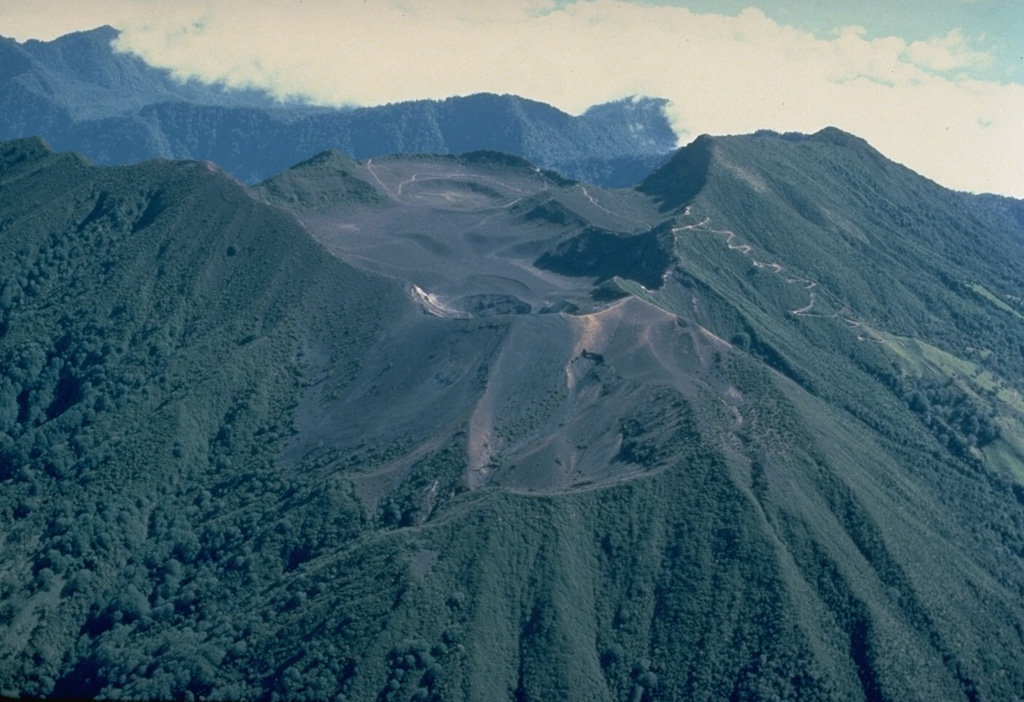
x=723, y=74
x=946, y=53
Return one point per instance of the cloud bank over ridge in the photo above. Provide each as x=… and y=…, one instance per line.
x=921, y=103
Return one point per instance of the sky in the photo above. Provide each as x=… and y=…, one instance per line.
x=937, y=85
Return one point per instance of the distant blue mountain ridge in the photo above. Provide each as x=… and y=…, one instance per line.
x=79, y=94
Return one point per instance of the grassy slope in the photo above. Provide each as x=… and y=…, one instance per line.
x=884, y=249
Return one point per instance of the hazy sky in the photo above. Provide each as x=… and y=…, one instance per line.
x=936, y=84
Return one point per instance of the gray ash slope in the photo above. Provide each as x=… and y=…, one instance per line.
x=77, y=93
x=458, y=428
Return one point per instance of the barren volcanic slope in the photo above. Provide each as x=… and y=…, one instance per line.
x=458, y=428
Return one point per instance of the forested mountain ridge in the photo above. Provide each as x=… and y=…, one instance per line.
x=77, y=93
x=455, y=427
x=142, y=307
x=865, y=243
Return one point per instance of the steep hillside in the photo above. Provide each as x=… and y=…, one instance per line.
x=79, y=94
x=831, y=234
x=456, y=428
x=153, y=332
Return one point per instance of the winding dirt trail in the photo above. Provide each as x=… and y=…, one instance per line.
x=594, y=202
x=386, y=189
x=427, y=176
x=598, y=205
x=747, y=250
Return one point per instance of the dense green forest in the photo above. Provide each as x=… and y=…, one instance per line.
x=771, y=451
